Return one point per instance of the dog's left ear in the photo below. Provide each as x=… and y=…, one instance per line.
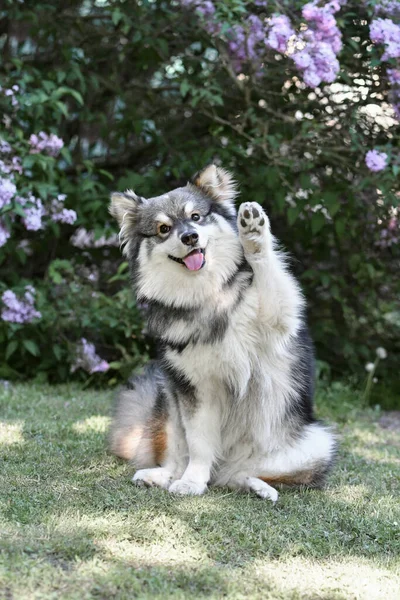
x=217, y=183
x=124, y=206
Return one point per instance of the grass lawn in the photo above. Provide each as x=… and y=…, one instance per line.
x=73, y=526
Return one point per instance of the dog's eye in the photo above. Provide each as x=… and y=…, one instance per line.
x=195, y=217
x=164, y=228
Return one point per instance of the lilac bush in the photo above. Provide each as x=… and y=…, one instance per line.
x=300, y=99
x=313, y=42
x=34, y=214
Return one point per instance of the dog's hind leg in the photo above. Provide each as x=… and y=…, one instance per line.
x=135, y=422
x=306, y=461
x=146, y=430
x=280, y=299
x=253, y=484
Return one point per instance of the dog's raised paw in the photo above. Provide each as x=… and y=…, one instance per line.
x=253, y=226
x=252, y=218
x=157, y=477
x=187, y=488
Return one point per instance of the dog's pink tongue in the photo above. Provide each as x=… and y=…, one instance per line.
x=194, y=261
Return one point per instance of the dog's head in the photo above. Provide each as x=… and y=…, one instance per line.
x=180, y=241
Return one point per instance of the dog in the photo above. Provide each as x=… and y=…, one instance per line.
x=229, y=402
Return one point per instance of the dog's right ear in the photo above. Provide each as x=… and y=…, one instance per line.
x=217, y=183
x=124, y=206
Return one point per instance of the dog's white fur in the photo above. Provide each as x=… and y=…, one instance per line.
x=240, y=429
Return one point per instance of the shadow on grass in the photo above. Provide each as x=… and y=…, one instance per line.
x=56, y=479
x=65, y=501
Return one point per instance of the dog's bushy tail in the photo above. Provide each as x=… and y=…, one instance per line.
x=138, y=428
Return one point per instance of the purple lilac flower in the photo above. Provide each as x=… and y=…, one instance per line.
x=279, y=33
x=5, y=147
x=322, y=42
x=391, y=8
x=394, y=76
x=59, y=214
x=7, y=191
x=4, y=234
x=384, y=31
x=88, y=360
x=19, y=310
x=205, y=9
x=4, y=168
x=244, y=40
x=67, y=216
x=33, y=214
x=396, y=109
x=51, y=144
x=16, y=164
x=375, y=160
x=87, y=239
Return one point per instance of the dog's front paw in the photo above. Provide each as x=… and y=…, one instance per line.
x=157, y=477
x=253, y=225
x=187, y=488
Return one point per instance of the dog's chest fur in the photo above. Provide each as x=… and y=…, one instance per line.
x=225, y=353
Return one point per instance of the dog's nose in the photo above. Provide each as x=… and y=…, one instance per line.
x=190, y=238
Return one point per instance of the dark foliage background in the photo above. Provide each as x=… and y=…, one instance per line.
x=143, y=97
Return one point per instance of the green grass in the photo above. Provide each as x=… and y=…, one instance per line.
x=73, y=526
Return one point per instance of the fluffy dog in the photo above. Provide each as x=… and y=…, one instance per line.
x=229, y=402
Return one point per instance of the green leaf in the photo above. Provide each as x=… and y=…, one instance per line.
x=57, y=351
x=11, y=348
x=184, y=88
x=31, y=347
x=340, y=226
x=317, y=222
x=116, y=365
x=63, y=90
x=331, y=201
x=116, y=16
x=292, y=214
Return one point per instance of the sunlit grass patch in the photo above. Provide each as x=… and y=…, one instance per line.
x=73, y=526
x=11, y=433
x=96, y=423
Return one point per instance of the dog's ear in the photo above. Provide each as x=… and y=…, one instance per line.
x=216, y=183
x=124, y=206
